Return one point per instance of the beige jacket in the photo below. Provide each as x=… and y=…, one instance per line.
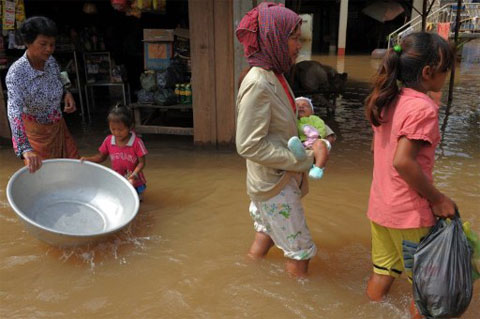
x=265, y=123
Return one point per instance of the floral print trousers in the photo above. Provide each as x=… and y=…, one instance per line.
x=282, y=218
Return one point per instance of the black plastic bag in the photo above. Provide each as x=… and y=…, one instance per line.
x=163, y=79
x=147, y=81
x=442, y=271
x=145, y=96
x=165, y=97
x=174, y=74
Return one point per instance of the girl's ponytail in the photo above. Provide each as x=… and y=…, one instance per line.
x=404, y=63
x=385, y=88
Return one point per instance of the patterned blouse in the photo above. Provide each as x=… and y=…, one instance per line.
x=32, y=94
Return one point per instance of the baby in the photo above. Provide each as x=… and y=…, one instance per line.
x=312, y=132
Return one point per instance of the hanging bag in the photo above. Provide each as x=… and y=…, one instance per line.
x=442, y=271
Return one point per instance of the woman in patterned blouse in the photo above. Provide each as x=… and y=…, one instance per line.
x=35, y=92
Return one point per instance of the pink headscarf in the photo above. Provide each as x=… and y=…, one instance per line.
x=264, y=33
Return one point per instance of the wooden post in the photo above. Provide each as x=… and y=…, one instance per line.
x=202, y=52
x=212, y=55
x=452, y=73
x=240, y=8
x=224, y=72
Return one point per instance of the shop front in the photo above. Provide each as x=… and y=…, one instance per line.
x=171, y=61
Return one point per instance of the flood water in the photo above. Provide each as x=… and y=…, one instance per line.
x=184, y=256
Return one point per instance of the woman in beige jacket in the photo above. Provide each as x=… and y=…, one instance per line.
x=276, y=181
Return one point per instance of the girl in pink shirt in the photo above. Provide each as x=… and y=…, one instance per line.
x=127, y=151
x=403, y=202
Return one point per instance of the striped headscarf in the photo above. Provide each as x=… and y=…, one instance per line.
x=264, y=33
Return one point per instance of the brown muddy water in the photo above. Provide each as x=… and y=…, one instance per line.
x=184, y=254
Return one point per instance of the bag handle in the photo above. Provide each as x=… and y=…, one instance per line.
x=457, y=214
x=446, y=221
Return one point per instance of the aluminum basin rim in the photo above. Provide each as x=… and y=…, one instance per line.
x=51, y=230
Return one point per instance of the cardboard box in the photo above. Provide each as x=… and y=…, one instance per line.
x=158, y=35
x=182, y=33
x=157, y=55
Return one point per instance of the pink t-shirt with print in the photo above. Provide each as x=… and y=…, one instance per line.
x=125, y=158
x=392, y=202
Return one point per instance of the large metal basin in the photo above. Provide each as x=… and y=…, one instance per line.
x=69, y=203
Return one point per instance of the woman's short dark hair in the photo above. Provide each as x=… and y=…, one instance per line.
x=34, y=26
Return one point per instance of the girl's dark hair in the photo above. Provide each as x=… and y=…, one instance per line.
x=121, y=113
x=418, y=50
x=34, y=26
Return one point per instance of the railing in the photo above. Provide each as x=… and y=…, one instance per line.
x=469, y=21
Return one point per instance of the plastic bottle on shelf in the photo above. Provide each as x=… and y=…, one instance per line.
x=188, y=94
x=182, y=93
x=177, y=92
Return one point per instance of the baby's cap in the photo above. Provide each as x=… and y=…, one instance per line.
x=306, y=99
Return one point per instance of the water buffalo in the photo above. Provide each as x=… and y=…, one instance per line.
x=322, y=82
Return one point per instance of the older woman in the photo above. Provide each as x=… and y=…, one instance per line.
x=276, y=181
x=35, y=92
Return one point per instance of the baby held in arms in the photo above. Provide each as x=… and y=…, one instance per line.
x=312, y=134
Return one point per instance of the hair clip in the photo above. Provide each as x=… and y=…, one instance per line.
x=397, y=48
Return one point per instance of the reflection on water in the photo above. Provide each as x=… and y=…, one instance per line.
x=184, y=254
